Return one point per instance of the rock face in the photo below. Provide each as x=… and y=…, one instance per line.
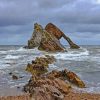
x=36, y=36
x=67, y=75
x=52, y=29
x=48, y=39
x=53, y=85
x=46, y=88
x=40, y=65
x=43, y=40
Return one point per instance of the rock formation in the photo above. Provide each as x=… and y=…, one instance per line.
x=40, y=65
x=48, y=39
x=43, y=40
x=53, y=85
x=36, y=36
x=52, y=29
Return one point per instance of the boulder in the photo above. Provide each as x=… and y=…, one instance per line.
x=52, y=29
x=14, y=77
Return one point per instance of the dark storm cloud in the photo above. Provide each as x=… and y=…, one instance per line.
x=77, y=18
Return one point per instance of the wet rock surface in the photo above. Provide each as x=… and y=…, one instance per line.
x=54, y=85
x=40, y=65
x=14, y=77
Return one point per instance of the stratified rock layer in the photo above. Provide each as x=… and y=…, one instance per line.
x=48, y=39
x=52, y=85
x=40, y=65
x=43, y=40
x=36, y=36
x=52, y=29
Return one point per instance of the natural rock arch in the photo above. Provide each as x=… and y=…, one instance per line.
x=48, y=39
x=51, y=28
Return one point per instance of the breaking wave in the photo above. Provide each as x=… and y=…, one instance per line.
x=72, y=55
x=12, y=57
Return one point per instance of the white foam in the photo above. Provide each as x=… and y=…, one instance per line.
x=4, y=66
x=72, y=55
x=89, y=89
x=3, y=52
x=12, y=57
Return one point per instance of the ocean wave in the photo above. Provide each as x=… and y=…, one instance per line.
x=12, y=57
x=89, y=90
x=4, y=66
x=21, y=50
x=3, y=52
x=72, y=54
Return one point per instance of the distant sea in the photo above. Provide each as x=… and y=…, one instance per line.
x=85, y=62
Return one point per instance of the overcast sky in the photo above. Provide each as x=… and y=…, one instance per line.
x=79, y=19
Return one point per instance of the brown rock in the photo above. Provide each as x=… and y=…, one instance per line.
x=52, y=29
x=47, y=88
x=63, y=87
x=44, y=40
x=36, y=36
x=50, y=43
x=14, y=77
x=67, y=75
x=40, y=65
x=54, y=74
x=36, y=69
x=72, y=77
x=47, y=92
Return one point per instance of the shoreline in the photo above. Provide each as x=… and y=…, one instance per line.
x=72, y=95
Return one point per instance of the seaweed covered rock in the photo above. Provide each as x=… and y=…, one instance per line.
x=43, y=40
x=52, y=29
x=40, y=65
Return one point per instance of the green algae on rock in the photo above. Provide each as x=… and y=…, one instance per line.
x=40, y=65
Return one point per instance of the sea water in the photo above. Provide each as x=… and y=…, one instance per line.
x=85, y=62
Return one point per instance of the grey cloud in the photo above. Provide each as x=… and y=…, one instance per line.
x=77, y=18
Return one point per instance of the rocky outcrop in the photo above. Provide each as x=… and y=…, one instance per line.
x=48, y=39
x=43, y=40
x=40, y=65
x=36, y=36
x=67, y=75
x=46, y=88
x=52, y=29
x=53, y=85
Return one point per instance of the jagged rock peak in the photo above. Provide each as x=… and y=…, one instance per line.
x=37, y=27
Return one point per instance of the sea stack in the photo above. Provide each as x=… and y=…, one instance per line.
x=52, y=29
x=48, y=39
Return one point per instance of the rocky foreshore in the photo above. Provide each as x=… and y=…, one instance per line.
x=54, y=85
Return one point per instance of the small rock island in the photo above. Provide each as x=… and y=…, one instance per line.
x=48, y=38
